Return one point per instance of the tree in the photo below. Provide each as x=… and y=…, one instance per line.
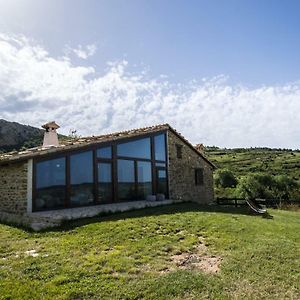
x=225, y=178
x=284, y=187
x=266, y=186
x=256, y=186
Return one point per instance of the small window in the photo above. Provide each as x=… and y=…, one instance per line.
x=199, y=176
x=179, y=151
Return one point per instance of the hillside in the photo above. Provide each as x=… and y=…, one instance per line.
x=244, y=161
x=15, y=136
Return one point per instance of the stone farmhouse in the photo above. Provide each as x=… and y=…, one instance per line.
x=84, y=177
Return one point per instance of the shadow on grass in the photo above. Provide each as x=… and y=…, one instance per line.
x=185, y=207
x=155, y=211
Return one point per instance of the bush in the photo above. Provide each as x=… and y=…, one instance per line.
x=285, y=187
x=266, y=186
x=254, y=186
x=225, y=178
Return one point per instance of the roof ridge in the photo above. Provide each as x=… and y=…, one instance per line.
x=126, y=131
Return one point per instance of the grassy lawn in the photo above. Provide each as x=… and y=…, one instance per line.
x=129, y=256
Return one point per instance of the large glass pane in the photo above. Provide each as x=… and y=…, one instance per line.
x=104, y=182
x=162, y=182
x=126, y=181
x=81, y=173
x=144, y=179
x=160, y=147
x=50, y=184
x=139, y=149
x=104, y=152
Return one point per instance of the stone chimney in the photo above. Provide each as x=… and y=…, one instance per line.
x=200, y=147
x=50, y=136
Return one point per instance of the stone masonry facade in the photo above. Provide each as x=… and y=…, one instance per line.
x=13, y=188
x=182, y=173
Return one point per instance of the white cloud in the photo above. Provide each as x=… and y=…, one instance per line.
x=85, y=51
x=35, y=88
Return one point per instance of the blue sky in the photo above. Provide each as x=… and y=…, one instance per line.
x=253, y=42
x=213, y=58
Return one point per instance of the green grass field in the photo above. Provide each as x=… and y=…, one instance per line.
x=246, y=161
x=129, y=256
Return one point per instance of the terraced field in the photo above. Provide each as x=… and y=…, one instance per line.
x=245, y=161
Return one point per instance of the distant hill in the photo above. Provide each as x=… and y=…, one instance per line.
x=244, y=161
x=14, y=136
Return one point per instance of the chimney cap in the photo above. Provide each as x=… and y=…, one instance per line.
x=50, y=125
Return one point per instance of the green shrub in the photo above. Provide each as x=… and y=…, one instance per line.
x=285, y=187
x=267, y=187
x=225, y=178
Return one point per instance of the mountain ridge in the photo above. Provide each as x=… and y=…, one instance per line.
x=14, y=136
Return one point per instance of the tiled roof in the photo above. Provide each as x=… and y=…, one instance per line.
x=72, y=144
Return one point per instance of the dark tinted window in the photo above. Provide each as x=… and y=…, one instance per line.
x=144, y=179
x=104, y=182
x=126, y=179
x=179, y=150
x=199, y=176
x=139, y=148
x=50, y=184
x=104, y=152
x=160, y=147
x=81, y=173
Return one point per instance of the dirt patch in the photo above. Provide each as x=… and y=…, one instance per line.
x=198, y=259
x=205, y=263
x=32, y=253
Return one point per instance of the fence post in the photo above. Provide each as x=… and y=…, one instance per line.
x=235, y=202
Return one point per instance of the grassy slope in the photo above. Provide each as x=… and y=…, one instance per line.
x=245, y=161
x=120, y=256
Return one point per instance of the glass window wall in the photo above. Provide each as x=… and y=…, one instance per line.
x=133, y=175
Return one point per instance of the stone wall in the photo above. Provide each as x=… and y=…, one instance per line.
x=182, y=174
x=13, y=188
